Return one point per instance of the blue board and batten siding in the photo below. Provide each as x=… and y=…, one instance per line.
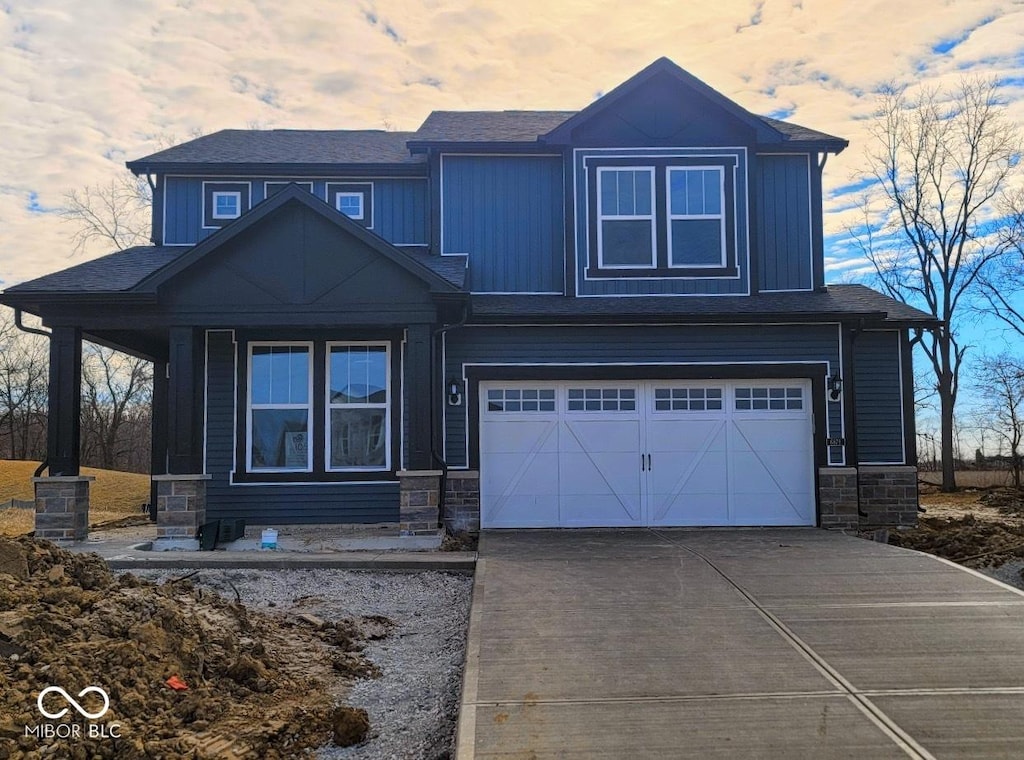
x=279, y=503
x=400, y=207
x=782, y=188
x=507, y=214
x=704, y=344
x=878, y=390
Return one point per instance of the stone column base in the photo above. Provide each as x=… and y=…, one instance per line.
x=888, y=495
x=462, y=501
x=180, y=506
x=871, y=496
x=62, y=508
x=837, y=497
x=419, y=496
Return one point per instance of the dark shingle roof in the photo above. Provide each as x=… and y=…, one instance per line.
x=528, y=126
x=836, y=301
x=451, y=268
x=122, y=271
x=798, y=133
x=112, y=273
x=288, y=146
x=489, y=126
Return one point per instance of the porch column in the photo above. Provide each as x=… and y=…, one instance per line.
x=418, y=374
x=64, y=417
x=180, y=487
x=184, y=403
x=62, y=499
x=158, y=432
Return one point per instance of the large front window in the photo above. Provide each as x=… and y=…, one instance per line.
x=317, y=410
x=357, y=403
x=279, y=407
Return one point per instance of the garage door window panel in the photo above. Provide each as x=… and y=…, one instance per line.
x=687, y=399
x=602, y=400
x=521, y=400
x=769, y=399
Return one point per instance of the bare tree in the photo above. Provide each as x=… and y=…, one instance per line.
x=24, y=364
x=943, y=162
x=112, y=214
x=1000, y=385
x=116, y=398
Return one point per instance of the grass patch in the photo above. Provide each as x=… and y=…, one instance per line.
x=112, y=495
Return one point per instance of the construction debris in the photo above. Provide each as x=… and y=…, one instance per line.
x=257, y=685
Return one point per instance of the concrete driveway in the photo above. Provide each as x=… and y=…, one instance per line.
x=736, y=643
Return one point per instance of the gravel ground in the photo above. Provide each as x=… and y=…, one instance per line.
x=413, y=705
x=1009, y=573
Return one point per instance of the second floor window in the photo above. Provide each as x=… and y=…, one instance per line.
x=227, y=205
x=666, y=217
x=350, y=204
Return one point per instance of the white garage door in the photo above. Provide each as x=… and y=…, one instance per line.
x=565, y=454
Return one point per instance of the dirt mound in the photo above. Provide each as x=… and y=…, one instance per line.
x=1009, y=501
x=258, y=686
x=971, y=542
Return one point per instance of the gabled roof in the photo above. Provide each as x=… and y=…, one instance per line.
x=767, y=130
x=245, y=147
x=295, y=194
x=141, y=269
x=836, y=302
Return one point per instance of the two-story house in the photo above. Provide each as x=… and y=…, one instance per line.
x=608, y=317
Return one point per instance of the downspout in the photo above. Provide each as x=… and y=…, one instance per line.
x=438, y=456
x=34, y=331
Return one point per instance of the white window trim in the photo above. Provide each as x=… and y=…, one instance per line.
x=217, y=194
x=386, y=406
x=670, y=217
x=249, y=406
x=601, y=217
x=350, y=194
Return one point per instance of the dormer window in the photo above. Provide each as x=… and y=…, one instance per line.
x=661, y=216
x=354, y=200
x=626, y=232
x=696, y=226
x=350, y=204
x=223, y=202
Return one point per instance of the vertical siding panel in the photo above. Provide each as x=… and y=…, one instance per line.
x=877, y=391
x=505, y=211
x=784, y=224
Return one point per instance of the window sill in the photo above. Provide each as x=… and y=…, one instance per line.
x=593, y=273
x=350, y=476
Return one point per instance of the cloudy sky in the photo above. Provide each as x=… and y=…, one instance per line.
x=88, y=85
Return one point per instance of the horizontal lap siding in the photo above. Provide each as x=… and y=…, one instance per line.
x=507, y=214
x=877, y=389
x=616, y=345
x=282, y=504
x=783, y=222
x=400, y=213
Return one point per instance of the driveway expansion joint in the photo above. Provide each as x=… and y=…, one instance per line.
x=886, y=724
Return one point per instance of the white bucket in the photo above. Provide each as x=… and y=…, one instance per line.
x=269, y=539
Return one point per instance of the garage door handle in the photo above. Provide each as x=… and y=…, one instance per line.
x=643, y=466
x=648, y=461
